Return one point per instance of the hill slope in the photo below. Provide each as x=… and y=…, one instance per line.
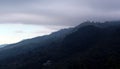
x=87, y=46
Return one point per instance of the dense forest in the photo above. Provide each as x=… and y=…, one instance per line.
x=90, y=45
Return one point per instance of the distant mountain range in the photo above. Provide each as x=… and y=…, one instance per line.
x=90, y=45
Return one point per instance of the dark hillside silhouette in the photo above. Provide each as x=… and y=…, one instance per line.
x=91, y=45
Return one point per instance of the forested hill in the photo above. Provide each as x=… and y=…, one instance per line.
x=90, y=45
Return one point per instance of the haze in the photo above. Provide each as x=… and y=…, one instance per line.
x=22, y=19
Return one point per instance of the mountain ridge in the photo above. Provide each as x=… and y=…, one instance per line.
x=87, y=46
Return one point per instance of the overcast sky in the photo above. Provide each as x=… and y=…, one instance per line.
x=21, y=19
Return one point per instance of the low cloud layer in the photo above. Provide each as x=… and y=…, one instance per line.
x=58, y=12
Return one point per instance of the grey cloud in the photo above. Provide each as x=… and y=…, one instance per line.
x=58, y=12
x=19, y=32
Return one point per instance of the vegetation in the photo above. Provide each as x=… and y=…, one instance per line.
x=90, y=45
